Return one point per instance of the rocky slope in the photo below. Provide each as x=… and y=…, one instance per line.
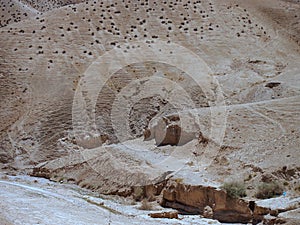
x=117, y=94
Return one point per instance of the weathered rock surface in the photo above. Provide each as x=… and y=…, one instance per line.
x=290, y=217
x=168, y=215
x=173, y=130
x=209, y=201
x=208, y=212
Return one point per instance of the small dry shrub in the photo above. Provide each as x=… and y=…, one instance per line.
x=132, y=202
x=297, y=189
x=179, y=180
x=4, y=177
x=138, y=193
x=145, y=205
x=234, y=189
x=268, y=190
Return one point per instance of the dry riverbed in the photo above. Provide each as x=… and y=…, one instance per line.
x=30, y=200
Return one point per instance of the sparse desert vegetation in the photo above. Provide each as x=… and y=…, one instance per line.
x=269, y=190
x=145, y=205
x=235, y=189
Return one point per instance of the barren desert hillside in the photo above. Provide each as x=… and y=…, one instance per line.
x=170, y=99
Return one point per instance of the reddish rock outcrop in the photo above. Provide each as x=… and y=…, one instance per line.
x=168, y=215
x=188, y=199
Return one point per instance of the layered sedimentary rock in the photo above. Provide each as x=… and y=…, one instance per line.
x=209, y=201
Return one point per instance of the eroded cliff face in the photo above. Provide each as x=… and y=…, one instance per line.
x=191, y=199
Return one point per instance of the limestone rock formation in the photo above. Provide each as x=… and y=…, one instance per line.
x=170, y=130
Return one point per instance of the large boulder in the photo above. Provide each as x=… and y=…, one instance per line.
x=172, y=129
